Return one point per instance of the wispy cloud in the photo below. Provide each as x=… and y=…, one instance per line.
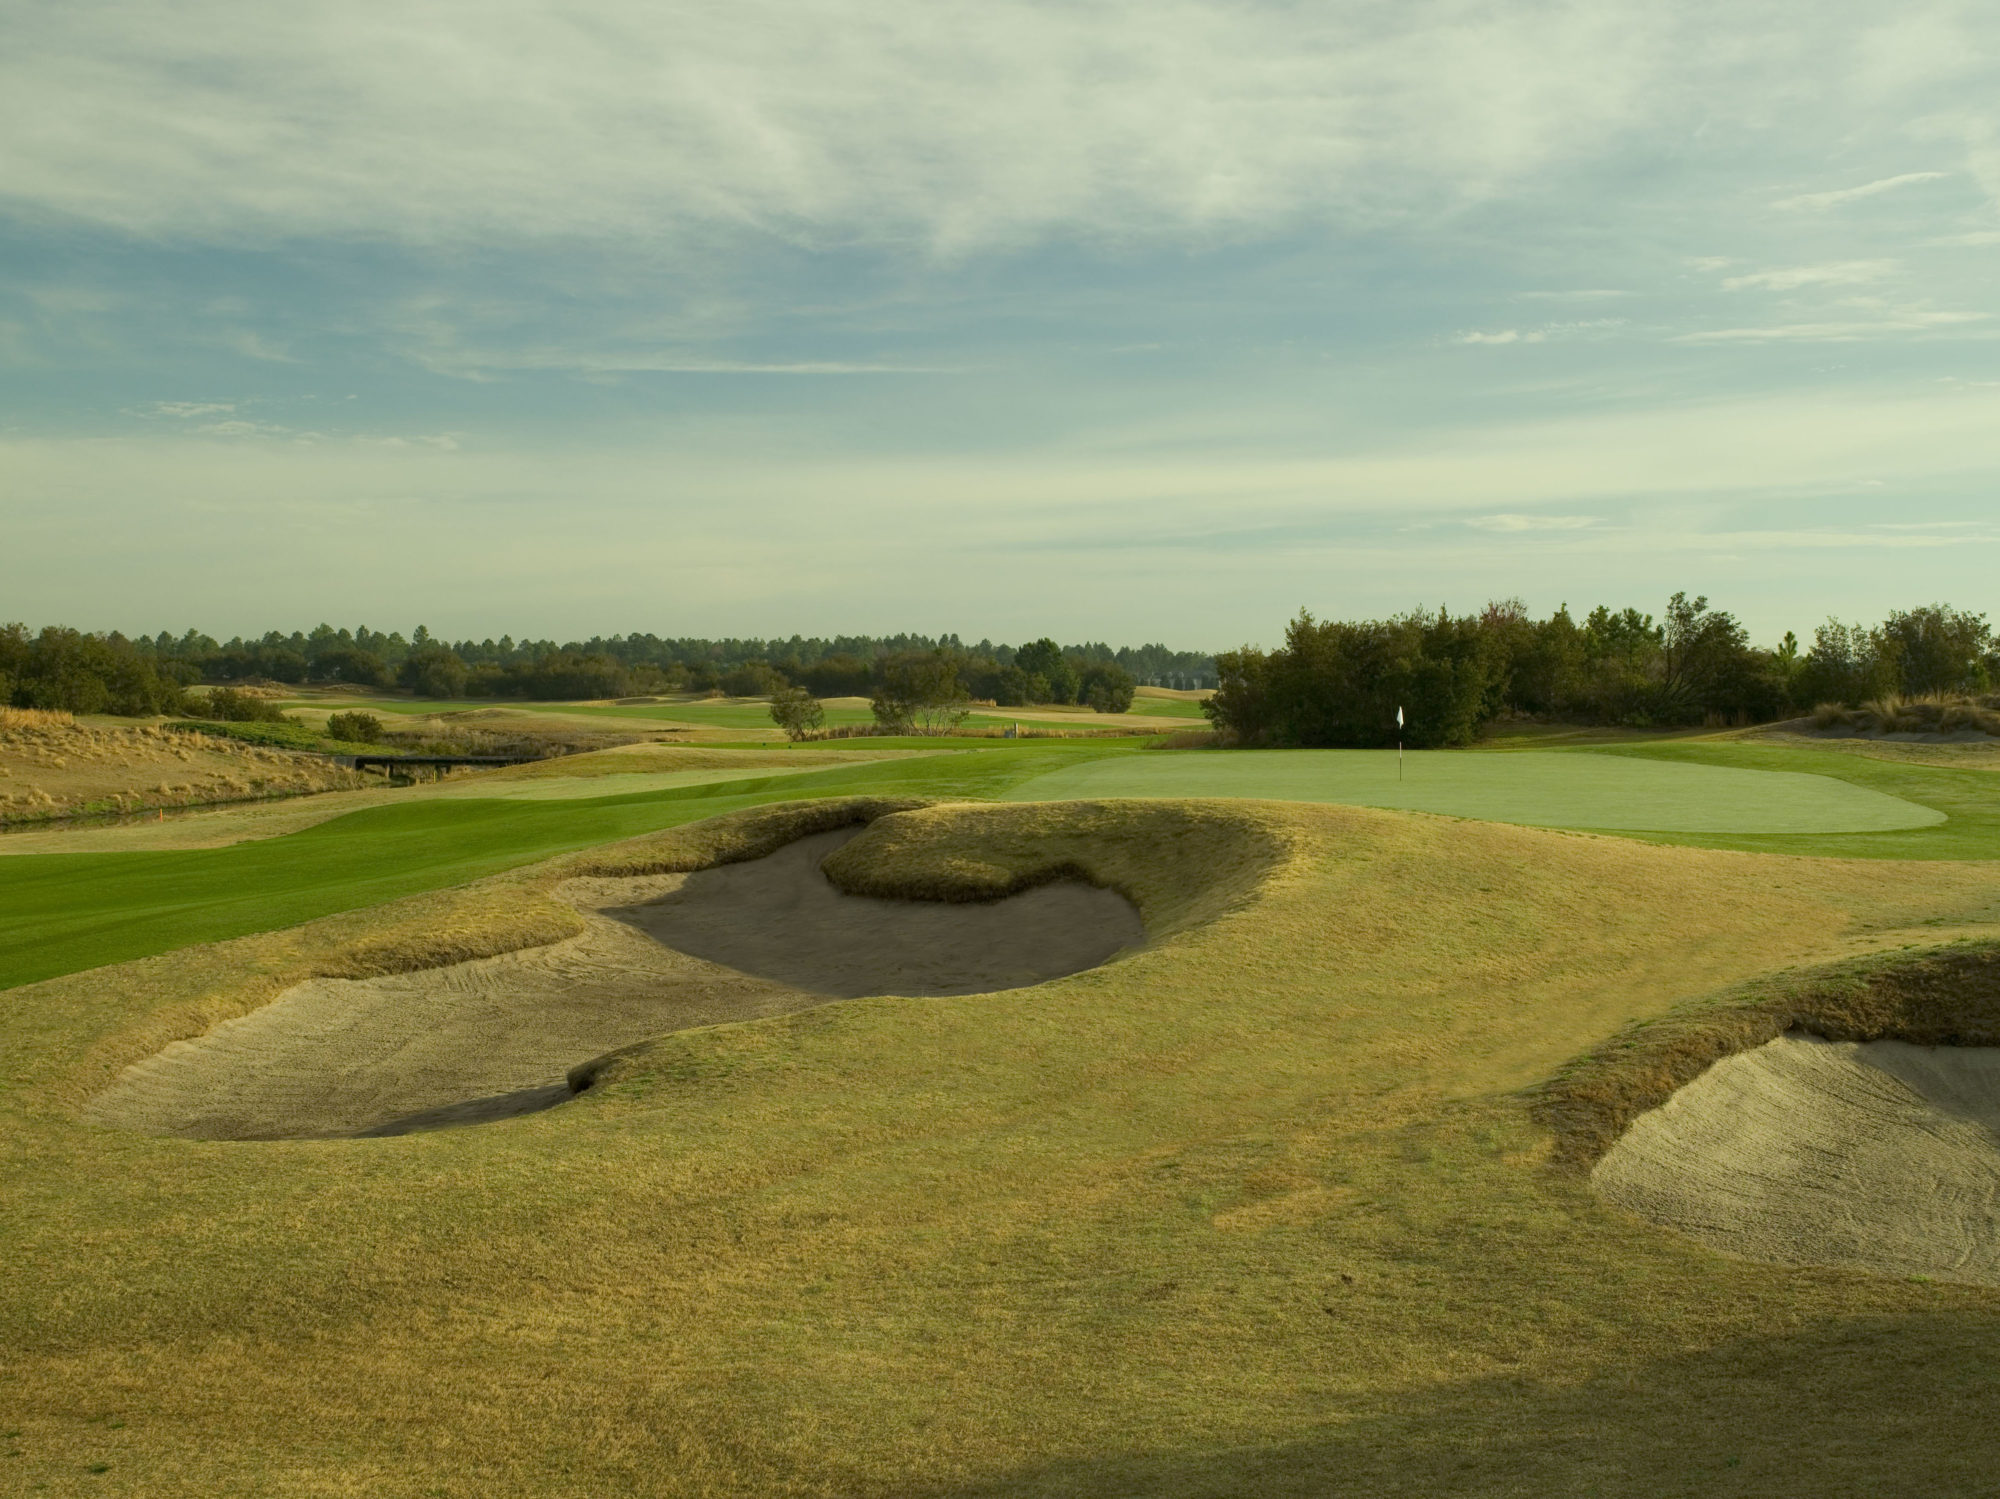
x=1532, y=522
x=187, y=410
x=1578, y=328
x=1834, y=273
x=1906, y=321
x=1841, y=195
x=240, y=428
x=485, y=363
x=252, y=345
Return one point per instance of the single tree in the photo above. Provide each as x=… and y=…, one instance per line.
x=797, y=712
x=918, y=692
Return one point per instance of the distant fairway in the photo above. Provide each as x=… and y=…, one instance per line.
x=1552, y=789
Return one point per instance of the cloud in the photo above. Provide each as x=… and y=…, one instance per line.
x=1835, y=273
x=240, y=428
x=1544, y=333
x=190, y=409
x=1850, y=194
x=677, y=125
x=255, y=346
x=1532, y=522
x=478, y=363
x=1906, y=321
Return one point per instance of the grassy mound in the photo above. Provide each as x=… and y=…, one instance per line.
x=1263, y=1207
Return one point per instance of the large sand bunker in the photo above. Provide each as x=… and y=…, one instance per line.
x=498, y=1036
x=1878, y=1155
x=781, y=919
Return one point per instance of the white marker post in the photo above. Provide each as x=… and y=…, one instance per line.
x=1399, y=741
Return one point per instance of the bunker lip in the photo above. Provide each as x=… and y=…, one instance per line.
x=493, y=1038
x=1879, y=1156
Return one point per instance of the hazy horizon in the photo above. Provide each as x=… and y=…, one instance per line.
x=1106, y=322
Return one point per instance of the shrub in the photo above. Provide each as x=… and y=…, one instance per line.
x=1106, y=688
x=355, y=728
x=228, y=705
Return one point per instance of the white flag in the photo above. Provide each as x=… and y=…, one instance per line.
x=1399, y=715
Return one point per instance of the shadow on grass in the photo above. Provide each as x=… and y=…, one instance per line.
x=1897, y=1405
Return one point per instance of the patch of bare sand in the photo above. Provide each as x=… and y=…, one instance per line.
x=1878, y=1155
x=498, y=1036
x=781, y=918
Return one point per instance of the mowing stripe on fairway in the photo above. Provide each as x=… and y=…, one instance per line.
x=1540, y=789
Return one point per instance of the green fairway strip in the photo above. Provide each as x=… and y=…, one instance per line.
x=65, y=912
x=1542, y=789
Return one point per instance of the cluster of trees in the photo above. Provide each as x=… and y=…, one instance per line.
x=930, y=692
x=1339, y=682
x=68, y=670
x=629, y=665
x=110, y=673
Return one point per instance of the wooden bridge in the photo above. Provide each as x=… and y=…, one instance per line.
x=440, y=763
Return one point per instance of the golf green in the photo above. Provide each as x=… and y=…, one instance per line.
x=1557, y=789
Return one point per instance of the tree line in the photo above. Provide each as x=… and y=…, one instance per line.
x=1341, y=682
x=60, y=667
x=579, y=668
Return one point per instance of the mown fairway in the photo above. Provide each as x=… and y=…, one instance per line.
x=71, y=911
x=1260, y=1209
x=1564, y=790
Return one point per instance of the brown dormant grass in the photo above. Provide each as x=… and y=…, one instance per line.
x=1263, y=1208
x=53, y=767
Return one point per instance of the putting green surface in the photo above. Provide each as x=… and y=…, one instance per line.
x=1552, y=789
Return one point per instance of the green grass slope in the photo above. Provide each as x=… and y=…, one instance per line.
x=1539, y=789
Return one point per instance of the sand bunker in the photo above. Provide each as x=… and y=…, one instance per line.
x=1880, y=1155
x=497, y=1037
x=779, y=918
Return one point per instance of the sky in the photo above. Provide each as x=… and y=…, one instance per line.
x=1105, y=320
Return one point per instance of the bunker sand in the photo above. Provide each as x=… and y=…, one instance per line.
x=1874, y=1155
x=780, y=918
x=498, y=1036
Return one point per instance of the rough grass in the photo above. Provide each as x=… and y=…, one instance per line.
x=1933, y=713
x=53, y=767
x=1262, y=1208
x=34, y=718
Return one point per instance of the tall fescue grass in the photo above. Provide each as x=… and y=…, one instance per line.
x=1933, y=713
x=34, y=718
